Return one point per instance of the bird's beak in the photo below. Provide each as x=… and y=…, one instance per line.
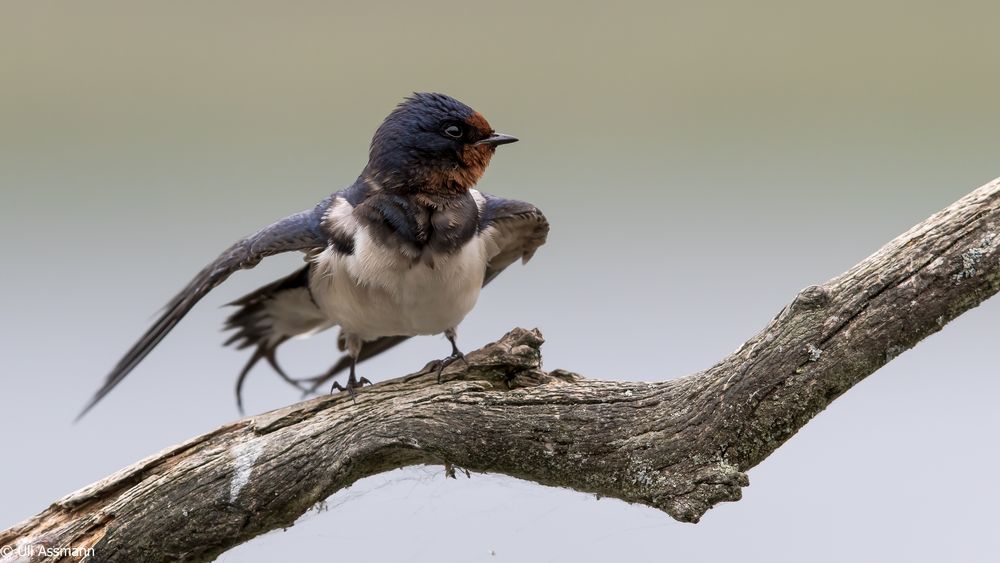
x=497, y=139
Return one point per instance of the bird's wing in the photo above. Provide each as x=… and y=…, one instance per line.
x=302, y=231
x=513, y=230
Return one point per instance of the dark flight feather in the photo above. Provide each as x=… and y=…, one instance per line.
x=301, y=231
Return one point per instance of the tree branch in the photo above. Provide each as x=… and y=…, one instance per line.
x=682, y=445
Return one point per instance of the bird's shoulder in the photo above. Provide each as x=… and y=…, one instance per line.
x=511, y=220
x=413, y=223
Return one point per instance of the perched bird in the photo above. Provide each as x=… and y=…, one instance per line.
x=403, y=251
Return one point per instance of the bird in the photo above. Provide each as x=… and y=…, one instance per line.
x=403, y=251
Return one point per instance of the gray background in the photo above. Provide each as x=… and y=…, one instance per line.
x=699, y=165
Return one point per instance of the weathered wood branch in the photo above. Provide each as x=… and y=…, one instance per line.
x=681, y=445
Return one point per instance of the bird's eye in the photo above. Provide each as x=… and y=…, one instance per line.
x=453, y=131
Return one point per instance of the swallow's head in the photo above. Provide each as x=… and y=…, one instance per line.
x=432, y=143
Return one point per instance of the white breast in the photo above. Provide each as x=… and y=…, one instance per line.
x=379, y=291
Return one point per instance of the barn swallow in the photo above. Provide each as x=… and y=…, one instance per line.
x=401, y=252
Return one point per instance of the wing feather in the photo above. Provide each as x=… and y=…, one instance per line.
x=513, y=230
x=302, y=232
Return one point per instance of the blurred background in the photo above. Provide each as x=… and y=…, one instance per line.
x=699, y=163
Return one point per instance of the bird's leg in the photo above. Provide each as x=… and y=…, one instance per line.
x=451, y=334
x=354, y=344
x=352, y=382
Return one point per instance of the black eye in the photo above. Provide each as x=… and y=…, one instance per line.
x=453, y=131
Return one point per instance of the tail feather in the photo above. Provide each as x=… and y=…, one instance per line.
x=269, y=316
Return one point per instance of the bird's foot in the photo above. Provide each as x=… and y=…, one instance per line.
x=352, y=384
x=439, y=365
x=312, y=385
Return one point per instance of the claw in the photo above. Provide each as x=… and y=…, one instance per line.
x=443, y=363
x=340, y=388
x=352, y=383
x=456, y=354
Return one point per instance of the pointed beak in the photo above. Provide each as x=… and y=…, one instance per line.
x=497, y=139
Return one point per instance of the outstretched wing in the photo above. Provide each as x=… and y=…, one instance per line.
x=513, y=230
x=302, y=231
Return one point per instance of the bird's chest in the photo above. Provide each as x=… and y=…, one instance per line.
x=380, y=290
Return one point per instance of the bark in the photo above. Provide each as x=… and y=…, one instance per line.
x=681, y=445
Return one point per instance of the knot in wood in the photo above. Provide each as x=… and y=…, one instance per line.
x=810, y=298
